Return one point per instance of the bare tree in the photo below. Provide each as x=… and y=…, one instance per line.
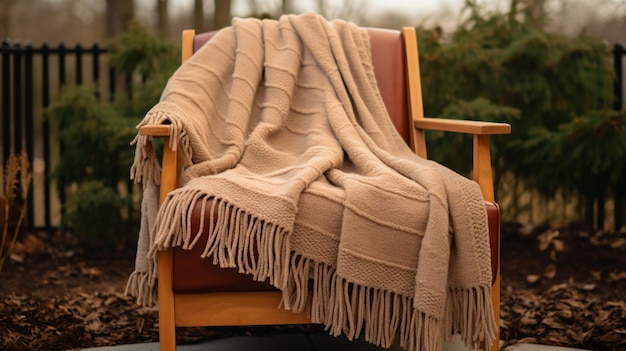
x=536, y=9
x=198, y=16
x=287, y=6
x=252, y=5
x=119, y=13
x=163, y=24
x=221, y=14
x=321, y=8
x=5, y=17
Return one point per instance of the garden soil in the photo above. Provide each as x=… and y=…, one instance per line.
x=563, y=287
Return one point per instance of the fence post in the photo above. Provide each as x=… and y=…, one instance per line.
x=79, y=63
x=618, y=91
x=62, y=81
x=20, y=102
x=17, y=98
x=6, y=100
x=618, y=52
x=95, y=69
x=45, y=101
x=29, y=129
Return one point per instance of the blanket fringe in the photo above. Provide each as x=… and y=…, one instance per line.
x=469, y=312
x=146, y=168
x=354, y=310
x=236, y=239
x=143, y=287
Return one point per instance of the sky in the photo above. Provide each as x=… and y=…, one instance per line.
x=410, y=6
x=414, y=6
x=444, y=12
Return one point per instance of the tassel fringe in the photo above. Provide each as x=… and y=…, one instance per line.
x=380, y=315
x=238, y=239
x=143, y=287
x=235, y=238
x=469, y=312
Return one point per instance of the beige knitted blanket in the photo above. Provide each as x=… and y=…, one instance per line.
x=282, y=123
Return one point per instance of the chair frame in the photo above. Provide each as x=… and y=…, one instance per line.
x=260, y=308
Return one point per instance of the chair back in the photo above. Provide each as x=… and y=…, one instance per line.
x=388, y=58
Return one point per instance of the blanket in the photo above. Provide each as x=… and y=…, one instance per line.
x=281, y=124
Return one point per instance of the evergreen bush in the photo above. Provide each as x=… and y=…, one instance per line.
x=556, y=92
x=101, y=206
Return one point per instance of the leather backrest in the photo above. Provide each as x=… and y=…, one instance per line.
x=388, y=58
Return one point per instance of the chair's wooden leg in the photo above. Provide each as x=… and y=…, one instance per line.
x=167, y=323
x=495, y=299
x=170, y=179
x=483, y=175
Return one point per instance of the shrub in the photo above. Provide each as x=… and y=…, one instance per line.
x=96, y=156
x=17, y=178
x=556, y=93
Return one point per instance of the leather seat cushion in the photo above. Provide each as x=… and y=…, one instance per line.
x=193, y=274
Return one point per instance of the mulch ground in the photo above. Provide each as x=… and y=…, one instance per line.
x=564, y=288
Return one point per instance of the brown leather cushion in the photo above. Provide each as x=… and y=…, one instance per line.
x=193, y=274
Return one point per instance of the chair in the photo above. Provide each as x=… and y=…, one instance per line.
x=209, y=296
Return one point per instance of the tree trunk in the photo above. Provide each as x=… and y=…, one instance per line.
x=119, y=13
x=589, y=213
x=221, y=15
x=536, y=10
x=600, y=211
x=618, y=212
x=287, y=6
x=321, y=8
x=198, y=16
x=5, y=18
x=163, y=25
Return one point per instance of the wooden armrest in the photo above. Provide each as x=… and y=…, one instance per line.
x=462, y=126
x=482, y=154
x=158, y=130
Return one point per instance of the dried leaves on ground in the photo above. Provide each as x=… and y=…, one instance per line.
x=564, y=288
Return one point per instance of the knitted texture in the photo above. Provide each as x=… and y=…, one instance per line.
x=281, y=123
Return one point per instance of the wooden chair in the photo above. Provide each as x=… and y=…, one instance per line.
x=209, y=296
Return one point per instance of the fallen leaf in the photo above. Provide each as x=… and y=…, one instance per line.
x=545, y=239
x=621, y=304
x=532, y=278
x=550, y=271
x=527, y=320
x=617, y=276
x=619, y=243
x=16, y=258
x=558, y=287
x=92, y=272
x=595, y=241
x=597, y=275
x=31, y=245
x=559, y=245
x=527, y=229
x=589, y=287
x=553, y=255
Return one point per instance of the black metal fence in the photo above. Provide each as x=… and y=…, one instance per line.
x=618, y=88
x=618, y=105
x=31, y=78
